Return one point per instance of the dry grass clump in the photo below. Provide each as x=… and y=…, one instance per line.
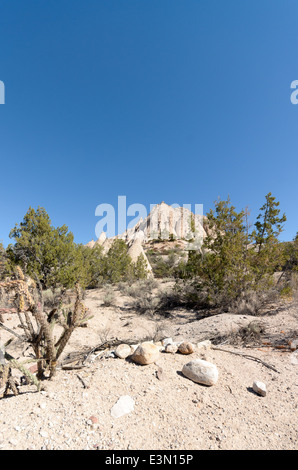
x=109, y=297
x=249, y=335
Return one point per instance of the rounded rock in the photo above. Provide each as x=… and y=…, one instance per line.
x=123, y=351
x=259, y=388
x=146, y=353
x=186, y=348
x=200, y=371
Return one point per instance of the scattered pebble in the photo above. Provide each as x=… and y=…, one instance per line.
x=259, y=388
x=124, y=405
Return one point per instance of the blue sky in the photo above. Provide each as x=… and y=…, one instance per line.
x=181, y=101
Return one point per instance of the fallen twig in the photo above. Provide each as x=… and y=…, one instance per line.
x=76, y=367
x=81, y=380
x=247, y=356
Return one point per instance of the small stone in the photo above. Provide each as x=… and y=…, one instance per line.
x=124, y=405
x=93, y=419
x=159, y=373
x=13, y=442
x=167, y=341
x=171, y=348
x=44, y=434
x=123, y=351
x=294, y=344
x=204, y=345
x=186, y=348
x=259, y=388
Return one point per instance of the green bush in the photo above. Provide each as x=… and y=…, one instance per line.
x=235, y=262
x=51, y=255
x=44, y=251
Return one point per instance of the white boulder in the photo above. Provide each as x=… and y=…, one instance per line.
x=200, y=371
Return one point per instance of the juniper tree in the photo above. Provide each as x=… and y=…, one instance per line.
x=2, y=260
x=44, y=251
x=117, y=263
x=269, y=225
x=223, y=266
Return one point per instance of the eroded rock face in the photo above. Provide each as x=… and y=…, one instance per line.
x=164, y=222
x=135, y=250
x=201, y=372
x=146, y=353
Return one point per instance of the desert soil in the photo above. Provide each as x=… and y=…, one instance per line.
x=170, y=412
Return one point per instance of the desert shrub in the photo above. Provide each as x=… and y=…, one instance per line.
x=286, y=292
x=109, y=297
x=290, y=255
x=163, y=266
x=246, y=336
x=253, y=302
x=94, y=267
x=288, y=288
x=147, y=304
x=138, y=288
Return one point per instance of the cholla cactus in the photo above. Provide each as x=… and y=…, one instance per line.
x=41, y=337
x=19, y=273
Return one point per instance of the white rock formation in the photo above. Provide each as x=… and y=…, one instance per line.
x=90, y=244
x=100, y=241
x=165, y=221
x=107, y=245
x=135, y=250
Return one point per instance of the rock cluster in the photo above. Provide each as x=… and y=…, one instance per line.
x=199, y=371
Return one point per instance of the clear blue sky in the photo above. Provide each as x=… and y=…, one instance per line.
x=181, y=101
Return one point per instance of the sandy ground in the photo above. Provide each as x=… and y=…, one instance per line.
x=170, y=412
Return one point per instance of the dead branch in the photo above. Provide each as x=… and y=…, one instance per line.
x=247, y=356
